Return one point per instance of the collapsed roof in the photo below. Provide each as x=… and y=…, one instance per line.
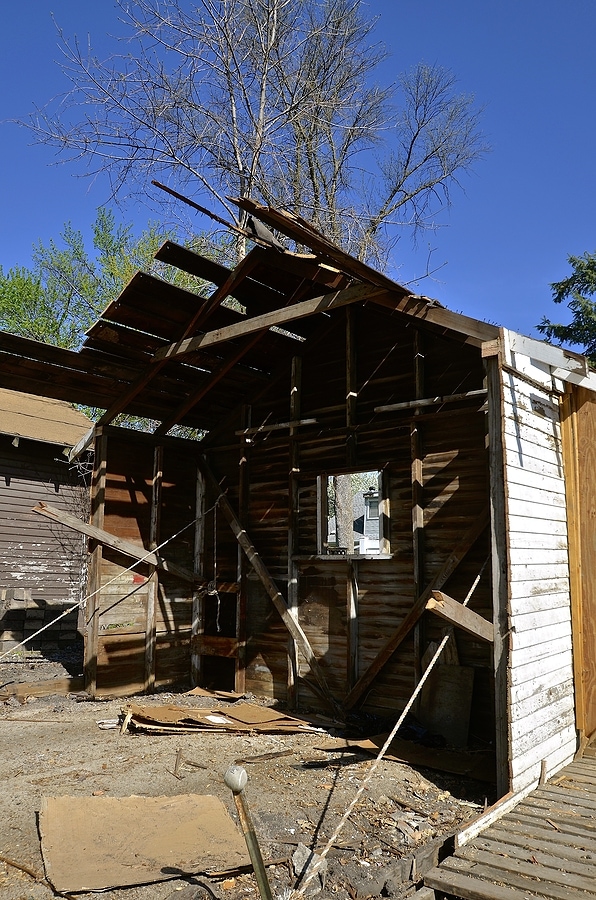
x=169, y=354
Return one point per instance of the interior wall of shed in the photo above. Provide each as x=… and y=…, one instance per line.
x=434, y=461
x=139, y=617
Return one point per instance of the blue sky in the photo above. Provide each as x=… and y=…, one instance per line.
x=530, y=64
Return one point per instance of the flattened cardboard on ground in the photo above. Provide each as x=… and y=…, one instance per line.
x=97, y=843
x=240, y=717
x=221, y=695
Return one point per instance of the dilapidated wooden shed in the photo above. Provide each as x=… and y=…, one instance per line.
x=477, y=442
x=42, y=570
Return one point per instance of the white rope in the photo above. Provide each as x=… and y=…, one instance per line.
x=82, y=602
x=299, y=892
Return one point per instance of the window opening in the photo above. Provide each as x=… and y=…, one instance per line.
x=354, y=517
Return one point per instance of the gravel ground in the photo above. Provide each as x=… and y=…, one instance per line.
x=53, y=746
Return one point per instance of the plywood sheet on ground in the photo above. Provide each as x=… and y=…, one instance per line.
x=96, y=843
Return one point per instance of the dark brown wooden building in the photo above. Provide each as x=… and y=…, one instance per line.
x=475, y=438
x=42, y=566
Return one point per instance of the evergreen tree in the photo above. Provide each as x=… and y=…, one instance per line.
x=578, y=289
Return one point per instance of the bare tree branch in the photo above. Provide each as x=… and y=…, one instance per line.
x=274, y=99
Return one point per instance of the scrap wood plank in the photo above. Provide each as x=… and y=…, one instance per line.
x=62, y=686
x=289, y=620
x=545, y=852
x=563, y=833
x=111, y=540
x=553, y=882
x=449, y=609
x=473, y=887
x=449, y=566
x=277, y=317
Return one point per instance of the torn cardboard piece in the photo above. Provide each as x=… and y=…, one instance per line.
x=241, y=717
x=219, y=695
x=97, y=843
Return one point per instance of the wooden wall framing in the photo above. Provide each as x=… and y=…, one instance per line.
x=139, y=619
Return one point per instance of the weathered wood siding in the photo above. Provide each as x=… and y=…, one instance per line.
x=541, y=724
x=138, y=606
x=40, y=556
x=381, y=591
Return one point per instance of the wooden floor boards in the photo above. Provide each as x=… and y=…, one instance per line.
x=544, y=848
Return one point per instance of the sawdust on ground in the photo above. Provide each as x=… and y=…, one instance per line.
x=54, y=746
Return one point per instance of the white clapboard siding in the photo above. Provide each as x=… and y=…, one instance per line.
x=540, y=666
x=526, y=447
x=558, y=695
x=542, y=637
x=534, y=592
x=549, y=684
x=526, y=767
x=534, y=509
x=525, y=478
x=554, y=615
x=520, y=525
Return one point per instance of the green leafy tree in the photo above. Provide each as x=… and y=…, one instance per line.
x=578, y=289
x=67, y=287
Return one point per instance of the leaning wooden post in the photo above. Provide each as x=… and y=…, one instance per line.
x=270, y=586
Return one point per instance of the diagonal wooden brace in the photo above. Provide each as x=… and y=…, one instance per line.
x=270, y=586
x=449, y=566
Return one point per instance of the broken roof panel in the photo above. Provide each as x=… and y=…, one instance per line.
x=41, y=418
x=179, y=357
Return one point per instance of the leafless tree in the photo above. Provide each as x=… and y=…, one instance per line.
x=274, y=99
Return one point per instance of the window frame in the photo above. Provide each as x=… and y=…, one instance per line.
x=384, y=517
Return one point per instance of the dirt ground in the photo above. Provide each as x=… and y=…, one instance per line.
x=53, y=746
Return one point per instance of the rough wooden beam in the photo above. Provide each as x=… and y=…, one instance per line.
x=449, y=609
x=431, y=401
x=449, y=566
x=191, y=401
x=293, y=520
x=82, y=444
x=110, y=540
x=276, y=426
x=283, y=316
x=157, y=363
x=270, y=586
x=153, y=581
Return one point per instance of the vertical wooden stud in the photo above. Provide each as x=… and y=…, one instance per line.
x=293, y=512
x=499, y=567
x=351, y=387
x=242, y=564
x=198, y=611
x=352, y=623
x=153, y=582
x=98, y=494
x=385, y=514
x=417, y=497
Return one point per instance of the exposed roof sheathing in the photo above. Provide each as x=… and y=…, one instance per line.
x=147, y=354
x=41, y=419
